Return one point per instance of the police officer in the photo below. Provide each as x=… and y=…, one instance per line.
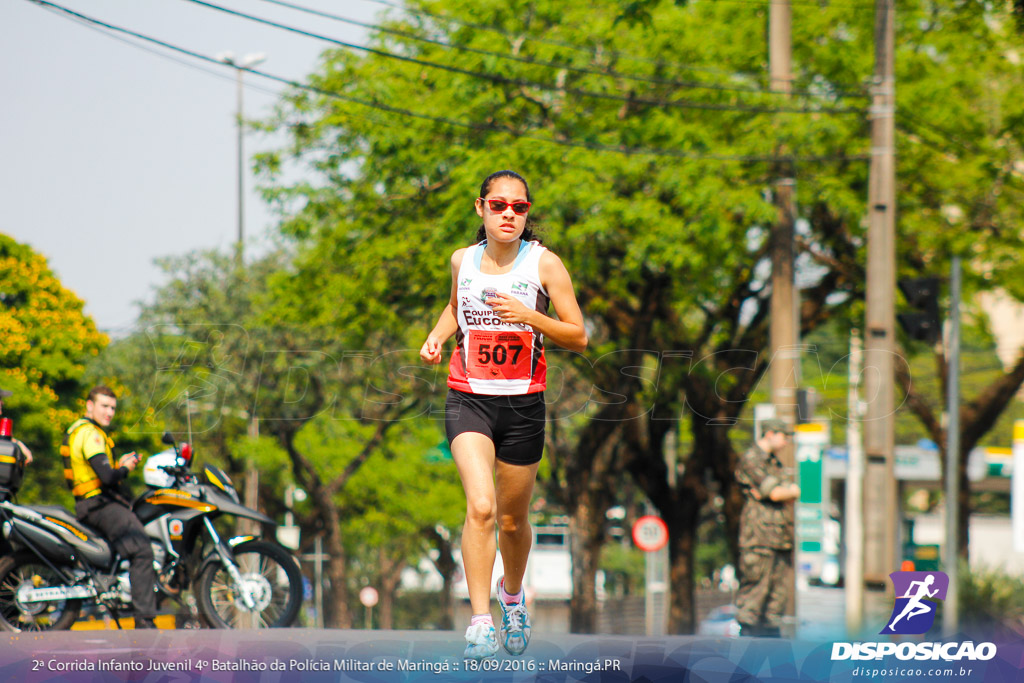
x=102, y=500
x=5, y=545
x=766, y=533
x=24, y=449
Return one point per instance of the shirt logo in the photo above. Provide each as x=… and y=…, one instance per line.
x=912, y=614
x=520, y=287
x=464, y=284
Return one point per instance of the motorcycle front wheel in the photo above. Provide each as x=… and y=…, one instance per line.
x=271, y=577
x=24, y=569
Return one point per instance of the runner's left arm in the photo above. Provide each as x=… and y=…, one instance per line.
x=568, y=330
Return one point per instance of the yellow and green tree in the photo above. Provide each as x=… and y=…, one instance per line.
x=46, y=340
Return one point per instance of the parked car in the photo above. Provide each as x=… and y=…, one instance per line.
x=720, y=622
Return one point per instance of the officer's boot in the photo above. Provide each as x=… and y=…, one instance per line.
x=749, y=630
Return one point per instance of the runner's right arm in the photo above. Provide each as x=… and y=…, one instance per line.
x=448, y=323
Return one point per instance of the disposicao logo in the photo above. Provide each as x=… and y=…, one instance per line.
x=914, y=613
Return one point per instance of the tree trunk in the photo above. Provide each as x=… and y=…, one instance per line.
x=390, y=579
x=446, y=566
x=713, y=415
x=682, y=609
x=595, y=465
x=712, y=441
x=586, y=536
x=337, y=614
x=976, y=418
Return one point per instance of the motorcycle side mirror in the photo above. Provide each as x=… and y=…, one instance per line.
x=167, y=439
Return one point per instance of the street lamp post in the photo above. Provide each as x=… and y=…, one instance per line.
x=241, y=65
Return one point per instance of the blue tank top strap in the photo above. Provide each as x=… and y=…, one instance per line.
x=524, y=249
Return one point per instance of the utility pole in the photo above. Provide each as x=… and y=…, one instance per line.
x=882, y=515
x=240, y=65
x=783, y=331
x=853, y=519
x=240, y=125
x=784, y=328
x=252, y=476
x=951, y=556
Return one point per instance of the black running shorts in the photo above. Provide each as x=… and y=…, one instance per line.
x=514, y=423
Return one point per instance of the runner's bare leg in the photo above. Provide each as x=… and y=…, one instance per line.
x=515, y=537
x=474, y=457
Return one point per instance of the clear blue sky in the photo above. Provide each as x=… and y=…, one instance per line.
x=114, y=156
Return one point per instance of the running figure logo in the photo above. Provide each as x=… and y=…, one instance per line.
x=912, y=614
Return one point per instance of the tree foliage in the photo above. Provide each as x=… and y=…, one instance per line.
x=653, y=143
x=211, y=361
x=47, y=342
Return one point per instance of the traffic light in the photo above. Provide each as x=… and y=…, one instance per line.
x=922, y=294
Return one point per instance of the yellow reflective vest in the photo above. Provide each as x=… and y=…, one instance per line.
x=83, y=440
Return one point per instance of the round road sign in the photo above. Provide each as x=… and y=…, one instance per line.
x=368, y=596
x=650, y=533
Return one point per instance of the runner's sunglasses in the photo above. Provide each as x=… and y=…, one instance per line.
x=499, y=205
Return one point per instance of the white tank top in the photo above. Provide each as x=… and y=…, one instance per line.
x=491, y=356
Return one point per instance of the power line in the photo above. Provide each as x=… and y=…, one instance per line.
x=815, y=4
x=556, y=43
x=503, y=80
x=491, y=128
x=213, y=72
x=609, y=73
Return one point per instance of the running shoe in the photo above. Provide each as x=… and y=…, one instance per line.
x=481, y=641
x=515, y=625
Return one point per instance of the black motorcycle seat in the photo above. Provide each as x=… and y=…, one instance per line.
x=65, y=516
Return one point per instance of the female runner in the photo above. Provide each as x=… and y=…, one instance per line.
x=495, y=412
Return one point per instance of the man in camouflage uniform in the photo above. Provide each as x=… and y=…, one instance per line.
x=766, y=533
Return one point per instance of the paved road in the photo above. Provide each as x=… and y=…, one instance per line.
x=821, y=614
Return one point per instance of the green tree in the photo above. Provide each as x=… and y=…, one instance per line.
x=47, y=342
x=664, y=243
x=395, y=508
x=653, y=150
x=210, y=359
x=962, y=156
x=203, y=365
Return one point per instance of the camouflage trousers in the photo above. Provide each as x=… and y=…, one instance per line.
x=765, y=577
